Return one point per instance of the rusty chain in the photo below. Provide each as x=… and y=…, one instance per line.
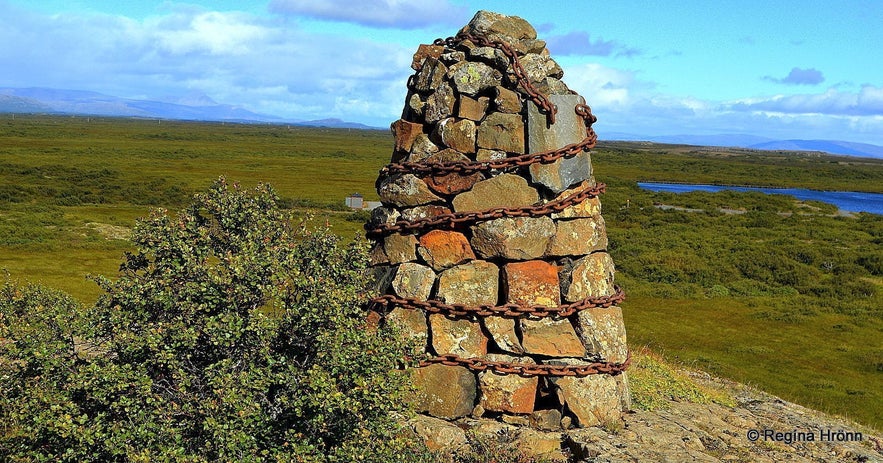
x=389, y=301
x=528, y=370
x=450, y=220
x=453, y=219
x=421, y=168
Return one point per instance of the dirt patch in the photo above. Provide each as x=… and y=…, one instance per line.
x=111, y=232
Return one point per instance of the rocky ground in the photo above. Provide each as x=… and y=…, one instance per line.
x=688, y=432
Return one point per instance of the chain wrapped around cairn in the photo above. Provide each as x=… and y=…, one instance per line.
x=452, y=220
x=490, y=233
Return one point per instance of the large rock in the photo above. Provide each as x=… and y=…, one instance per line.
x=405, y=133
x=421, y=148
x=473, y=283
x=539, y=66
x=457, y=134
x=506, y=190
x=400, y=248
x=423, y=52
x=592, y=276
x=507, y=101
x=444, y=391
x=501, y=131
x=593, y=399
x=411, y=323
x=470, y=78
x=414, y=281
x=502, y=331
x=602, y=331
x=563, y=173
x=543, y=446
x=553, y=337
x=534, y=282
x=439, y=435
x=405, y=190
x=431, y=75
x=460, y=336
x=507, y=393
x=578, y=237
x=454, y=182
x=521, y=238
x=501, y=27
x=473, y=109
x=440, y=104
x=568, y=128
x=444, y=249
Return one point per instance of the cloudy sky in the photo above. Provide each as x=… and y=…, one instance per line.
x=784, y=69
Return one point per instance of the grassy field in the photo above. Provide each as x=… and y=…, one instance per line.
x=785, y=296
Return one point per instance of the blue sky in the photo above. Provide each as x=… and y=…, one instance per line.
x=785, y=69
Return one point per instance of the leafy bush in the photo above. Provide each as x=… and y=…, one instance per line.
x=230, y=335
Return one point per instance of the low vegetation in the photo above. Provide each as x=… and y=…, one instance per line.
x=786, y=296
x=229, y=335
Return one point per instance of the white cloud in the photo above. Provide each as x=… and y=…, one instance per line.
x=400, y=14
x=260, y=63
x=625, y=104
x=866, y=102
x=212, y=32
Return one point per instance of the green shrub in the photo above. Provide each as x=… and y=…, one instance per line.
x=230, y=335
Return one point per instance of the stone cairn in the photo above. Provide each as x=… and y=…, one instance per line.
x=490, y=247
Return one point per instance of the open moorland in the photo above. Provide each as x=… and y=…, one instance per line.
x=784, y=295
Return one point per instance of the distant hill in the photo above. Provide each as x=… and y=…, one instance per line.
x=828, y=146
x=14, y=104
x=756, y=142
x=193, y=106
x=336, y=123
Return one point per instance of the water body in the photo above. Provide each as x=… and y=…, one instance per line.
x=851, y=201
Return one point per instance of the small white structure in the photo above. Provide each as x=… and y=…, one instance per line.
x=355, y=201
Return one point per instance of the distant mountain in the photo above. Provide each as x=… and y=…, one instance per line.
x=48, y=100
x=15, y=104
x=755, y=142
x=828, y=146
x=191, y=106
x=335, y=123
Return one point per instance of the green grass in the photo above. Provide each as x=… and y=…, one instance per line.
x=790, y=304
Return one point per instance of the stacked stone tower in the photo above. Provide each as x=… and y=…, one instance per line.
x=490, y=247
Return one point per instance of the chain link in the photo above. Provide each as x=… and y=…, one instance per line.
x=469, y=167
x=457, y=218
x=388, y=302
x=528, y=370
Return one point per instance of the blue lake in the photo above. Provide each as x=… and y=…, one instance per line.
x=851, y=201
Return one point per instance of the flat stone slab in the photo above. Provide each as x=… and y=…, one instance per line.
x=457, y=336
x=444, y=391
x=602, y=331
x=568, y=128
x=413, y=280
x=507, y=393
x=473, y=283
x=578, y=237
x=506, y=190
x=593, y=399
x=592, y=276
x=521, y=238
x=444, y=249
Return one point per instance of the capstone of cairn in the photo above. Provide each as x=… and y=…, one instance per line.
x=490, y=248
